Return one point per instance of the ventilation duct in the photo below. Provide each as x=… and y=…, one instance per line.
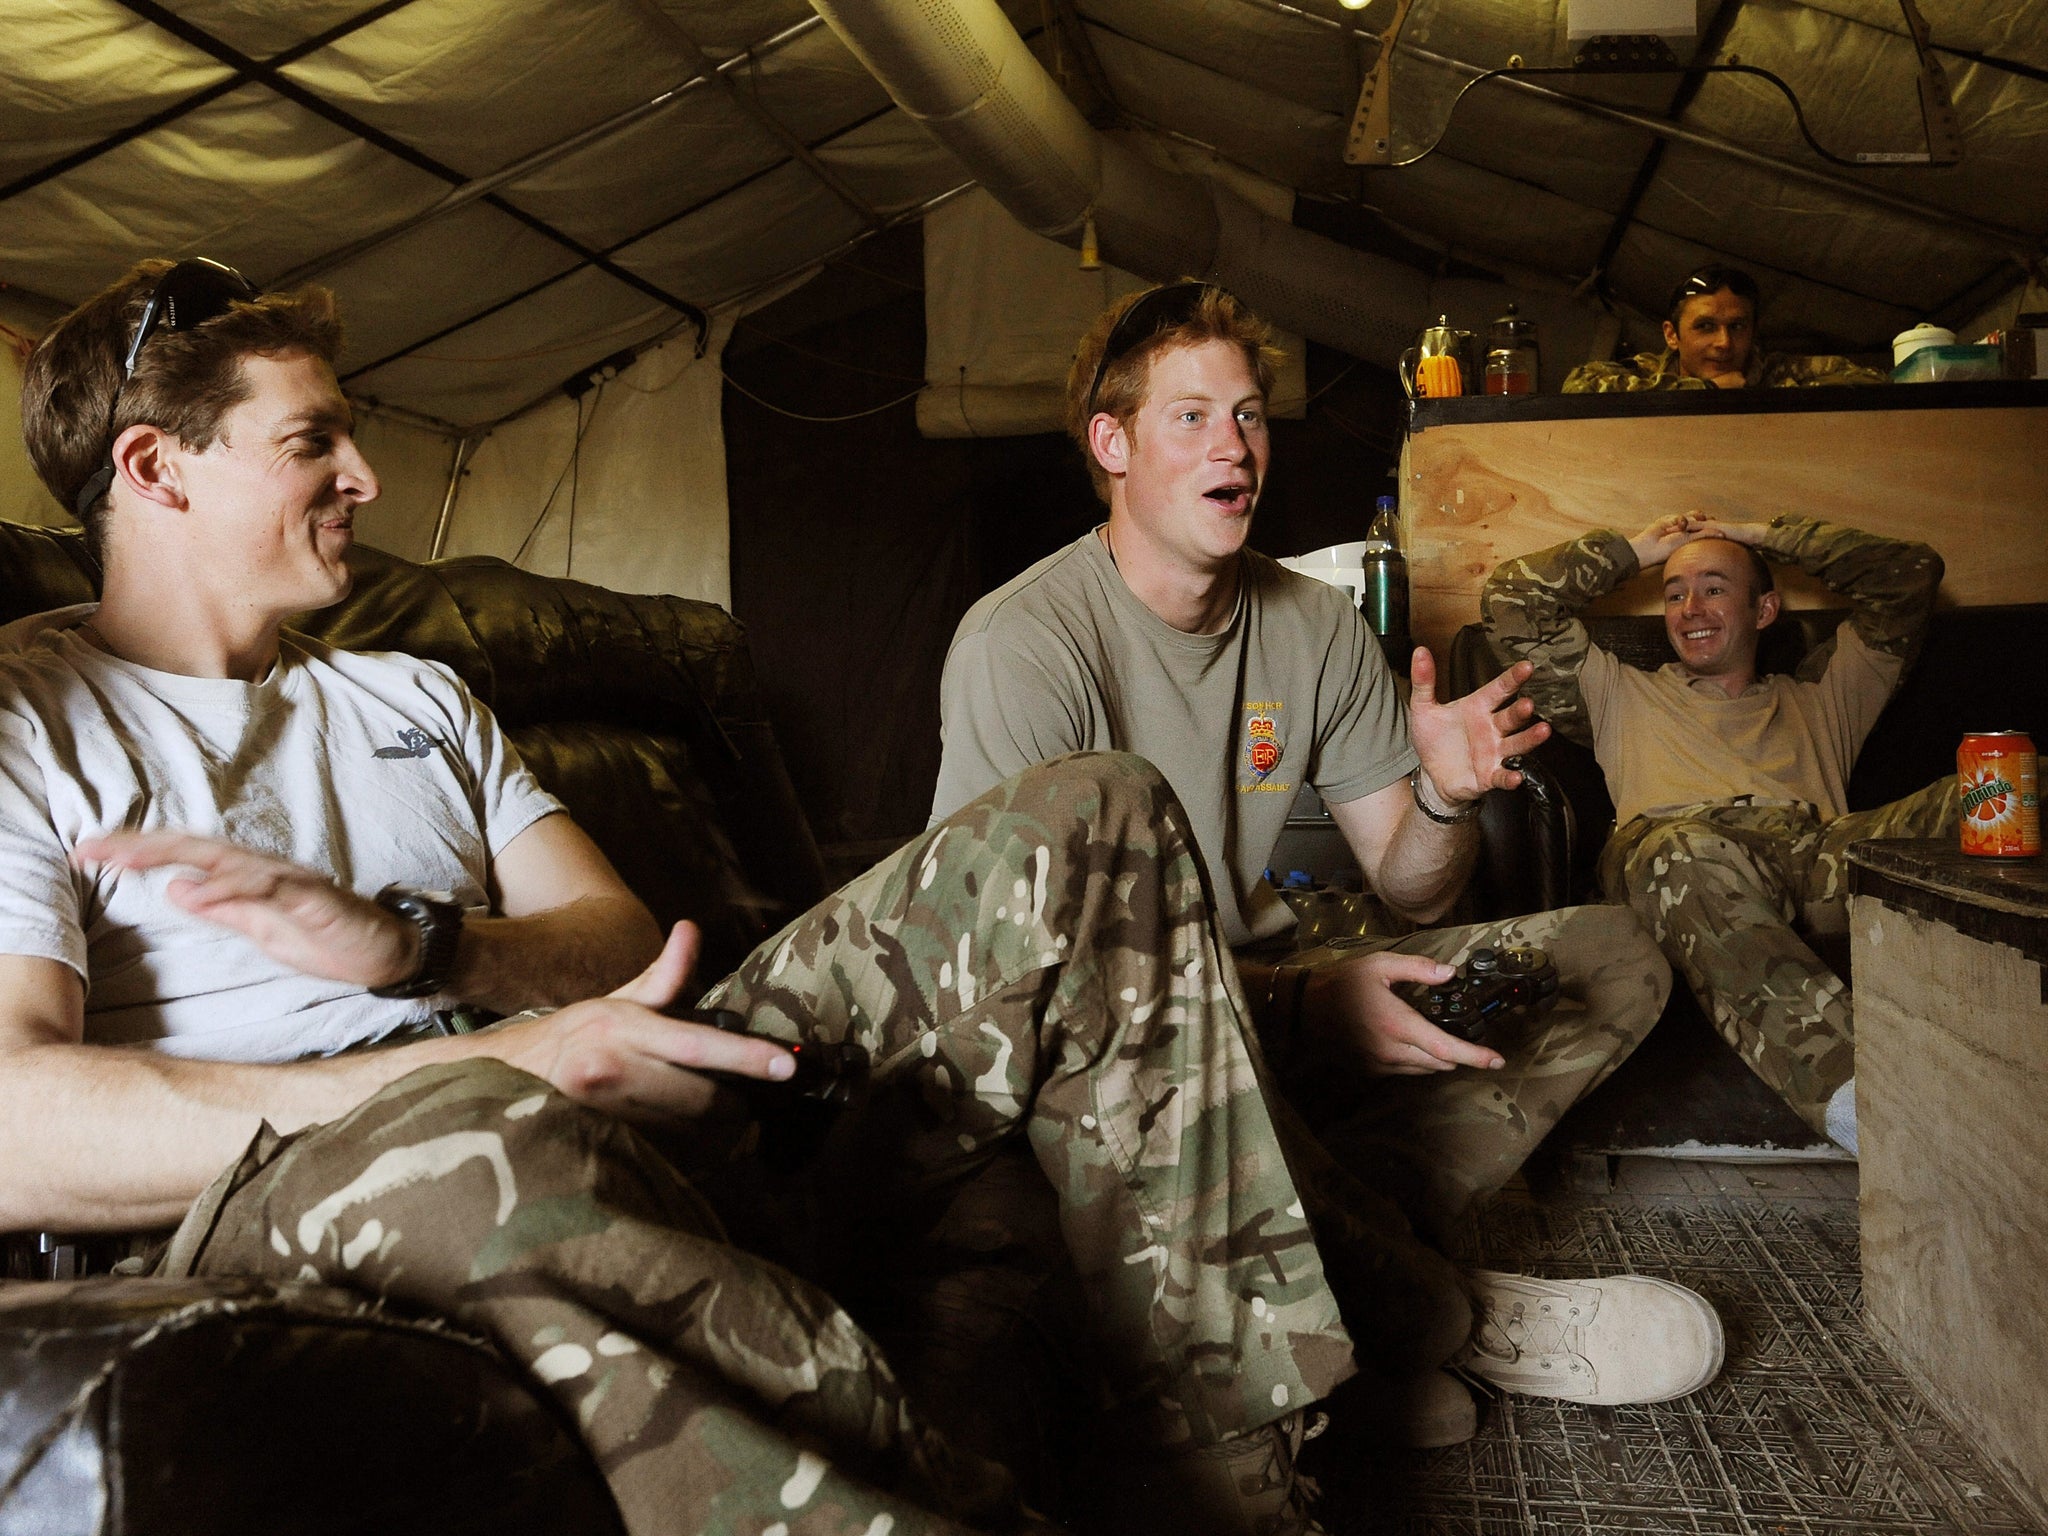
x=961, y=70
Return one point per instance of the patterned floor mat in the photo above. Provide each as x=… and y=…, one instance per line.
x=1810, y=1429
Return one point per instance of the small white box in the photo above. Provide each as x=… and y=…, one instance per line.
x=1341, y=566
x=1630, y=18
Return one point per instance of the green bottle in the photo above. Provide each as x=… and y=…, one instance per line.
x=1384, y=599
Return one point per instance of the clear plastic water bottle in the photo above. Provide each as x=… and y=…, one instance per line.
x=1384, y=601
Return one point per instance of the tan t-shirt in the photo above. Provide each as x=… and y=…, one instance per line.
x=1665, y=742
x=1066, y=659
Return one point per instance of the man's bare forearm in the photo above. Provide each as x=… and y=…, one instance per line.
x=99, y=1138
x=582, y=949
x=1426, y=865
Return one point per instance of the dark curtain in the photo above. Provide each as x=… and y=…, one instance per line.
x=857, y=545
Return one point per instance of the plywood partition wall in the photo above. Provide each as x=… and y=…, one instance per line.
x=1963, y=466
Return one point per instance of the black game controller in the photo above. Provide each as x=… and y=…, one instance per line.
x=1494, y=986
x=827, y=1071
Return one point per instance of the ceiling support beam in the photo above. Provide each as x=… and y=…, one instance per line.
x=655, y=228
x=196, y=100
x=769, y=284
x=547, y=282
x=1968, y=301
x=265, y=74
x=540, y=159
x=2015, y=242
x=1479, y=260
x=1646, y=173
x=767, y=121
x=2003, y=237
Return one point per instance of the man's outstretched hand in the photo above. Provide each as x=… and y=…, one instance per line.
x=297, y=916
x=621, y=1053
x=1463, y=742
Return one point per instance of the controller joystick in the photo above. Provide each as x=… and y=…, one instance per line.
x=1492, y=988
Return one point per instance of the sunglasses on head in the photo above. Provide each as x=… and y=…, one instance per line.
x=1711, y=280
x=1160, y=310
x=191, y=293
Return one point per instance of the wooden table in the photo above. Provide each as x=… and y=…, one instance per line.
x=1951, y=965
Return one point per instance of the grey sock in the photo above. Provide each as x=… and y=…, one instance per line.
x=1841, y=1117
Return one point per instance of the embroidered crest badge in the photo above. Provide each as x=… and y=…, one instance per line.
x=1262, y=746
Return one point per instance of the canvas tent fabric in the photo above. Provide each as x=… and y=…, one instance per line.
x=506, y=195
x=629, y=516
x=1004, y=308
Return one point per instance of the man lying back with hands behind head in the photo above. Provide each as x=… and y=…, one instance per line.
x=1730, y=787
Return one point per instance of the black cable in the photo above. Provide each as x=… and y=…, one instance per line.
x=575, y=484
x=1798, y=114
x=582, y=426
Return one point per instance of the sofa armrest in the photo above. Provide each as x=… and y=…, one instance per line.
x=1528, y=838
x=238, y=1407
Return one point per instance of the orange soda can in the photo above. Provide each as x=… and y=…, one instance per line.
x=2000, y=780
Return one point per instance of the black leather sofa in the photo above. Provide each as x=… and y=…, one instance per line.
x=1981, y=669
x=132, y=1406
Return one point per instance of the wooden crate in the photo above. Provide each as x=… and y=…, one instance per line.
x=1951, y=965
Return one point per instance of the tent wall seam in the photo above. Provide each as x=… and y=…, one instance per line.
x=462, y=196
x=271, y=78
x=197, y=99
x=619, y=245
x=2015, y=242
x=768, y=121
x=742, y=298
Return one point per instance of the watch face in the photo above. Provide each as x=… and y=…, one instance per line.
x=437, y=917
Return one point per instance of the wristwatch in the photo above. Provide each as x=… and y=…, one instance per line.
x=437, y=917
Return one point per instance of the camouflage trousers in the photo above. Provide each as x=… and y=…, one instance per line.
x=1040, y=966
x=1435, y=1143
x=1725, y=887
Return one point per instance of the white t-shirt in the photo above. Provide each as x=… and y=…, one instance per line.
x=373, y=768
x=1065, y=658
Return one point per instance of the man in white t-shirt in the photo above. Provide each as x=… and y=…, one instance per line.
x=230, y=861
x=1159, y=633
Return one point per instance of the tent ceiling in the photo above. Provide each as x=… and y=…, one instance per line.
x=299, y=139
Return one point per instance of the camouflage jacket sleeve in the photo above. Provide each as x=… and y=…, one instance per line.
x=1531, y=606
x=1792, y=371
x=1650, y=370
x=1890, y=583
x=1603, y=379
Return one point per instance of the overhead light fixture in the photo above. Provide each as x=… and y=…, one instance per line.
x=1638, y=37
x=1628, y=34
x=1629, y=18
x=1354, y=5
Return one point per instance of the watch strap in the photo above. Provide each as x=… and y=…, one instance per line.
x=437, y=919
x=1441, y=818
